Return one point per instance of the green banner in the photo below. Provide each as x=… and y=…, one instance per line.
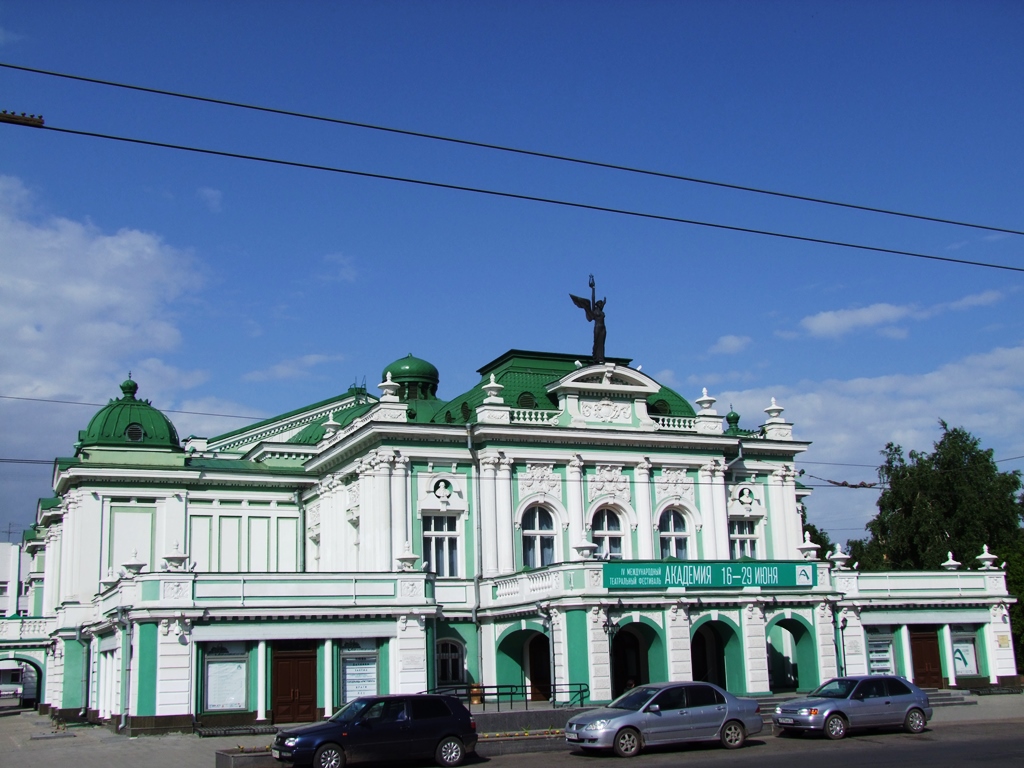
x=709, y=574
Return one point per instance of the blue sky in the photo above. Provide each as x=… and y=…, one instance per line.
x=241, y=288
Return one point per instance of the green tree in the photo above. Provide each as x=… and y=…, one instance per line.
x=954, y=499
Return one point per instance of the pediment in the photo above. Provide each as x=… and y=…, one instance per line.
x=607, y=379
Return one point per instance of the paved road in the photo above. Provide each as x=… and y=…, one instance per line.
x=950, y=745
x=991, y=733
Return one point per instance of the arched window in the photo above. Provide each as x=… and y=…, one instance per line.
x=538, y=538
x=672, y=534
x=450, y=666
x=607, y=533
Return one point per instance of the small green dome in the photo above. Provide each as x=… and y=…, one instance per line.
x=411, y=368
x=127, y=421
x=418, y=378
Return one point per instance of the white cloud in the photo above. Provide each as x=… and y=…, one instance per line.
x=79, y=306
x=212, y=198
x=729, y=345
x=341, y=268
x=838, y=322
x=850, y=421
x=295, y=368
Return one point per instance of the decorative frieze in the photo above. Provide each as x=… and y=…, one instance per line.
x=608, y=481
x=674, y=483
x=540, y=478
x=606, y=411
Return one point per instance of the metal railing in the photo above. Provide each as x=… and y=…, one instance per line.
x=484, y=698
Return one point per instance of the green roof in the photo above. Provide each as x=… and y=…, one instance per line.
x=526, y=376
x=354, y=391
x=129, y=422
x=314, y=432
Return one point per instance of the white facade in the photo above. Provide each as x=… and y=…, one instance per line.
x=402, y=543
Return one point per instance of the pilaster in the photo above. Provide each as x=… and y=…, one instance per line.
x=503, y=503
x=642, y=499
x=488, y=515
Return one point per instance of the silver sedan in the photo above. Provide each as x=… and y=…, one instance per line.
x=865, y=701
x=666, y=713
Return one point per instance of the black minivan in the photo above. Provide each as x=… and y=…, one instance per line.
x=383, y=728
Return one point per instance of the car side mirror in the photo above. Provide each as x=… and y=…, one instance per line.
x=858, y=696
x=363, y=723
x=654, y=709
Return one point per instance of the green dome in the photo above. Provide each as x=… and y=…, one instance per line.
x=418, y=378
x=127, y=421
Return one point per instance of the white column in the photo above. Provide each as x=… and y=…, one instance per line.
x=399, y=502
x=908, y=660
x=503, y=504
x=776, y=514
x=382, y=514
x=328, y=677
x=947, y=651
x=706, y=500
x=366, y=507
x=488, y=515
x=642, y=500
x=574, y=502
x=677, y=631
x=990, y=654
x=261, y=680
x=721, y=516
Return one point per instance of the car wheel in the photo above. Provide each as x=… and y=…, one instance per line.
x=449, y=752
x=733, y=734
x=835, y=727
x=914, y=721
x=329, y=756
x=627, y=742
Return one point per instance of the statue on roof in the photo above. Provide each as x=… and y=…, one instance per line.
x=595, y=314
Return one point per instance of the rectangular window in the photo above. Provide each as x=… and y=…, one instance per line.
x=441, y=545
x=227, y=679
x=880, y=656
x=965, y=658
x=742, y=539
x=3, y=588
x=358, y=677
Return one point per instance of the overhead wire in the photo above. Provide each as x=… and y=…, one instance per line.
x=513, y=150
x=532, y=198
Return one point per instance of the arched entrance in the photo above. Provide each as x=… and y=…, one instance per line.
x=27, y=675
x=524, y=659
x=792, y=660
x=538, y=667
x=637, y=656
x=716, y=655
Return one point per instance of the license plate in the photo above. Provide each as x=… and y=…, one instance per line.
x=275, y=753
x=571, y=737
x=786, y=720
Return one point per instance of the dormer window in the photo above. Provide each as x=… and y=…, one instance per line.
x=134, y=433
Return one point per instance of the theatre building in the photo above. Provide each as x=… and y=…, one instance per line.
x=563, y=530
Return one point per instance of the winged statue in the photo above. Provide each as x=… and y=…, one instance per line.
x=595, y=314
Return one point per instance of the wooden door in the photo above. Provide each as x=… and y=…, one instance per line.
x=924, y=649
x=293, y=687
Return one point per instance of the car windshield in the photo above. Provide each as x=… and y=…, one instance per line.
x=351, y=711
x=836, y=689
x=634, y=699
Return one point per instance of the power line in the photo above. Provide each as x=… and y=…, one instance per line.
x=100, y=405
x=533, y=198
x=513, y=150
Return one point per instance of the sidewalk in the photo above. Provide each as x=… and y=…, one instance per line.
x=26, y=739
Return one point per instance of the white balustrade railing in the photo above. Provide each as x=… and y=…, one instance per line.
x=24, y=629
x=507, y=588
x=684, y=423
x=535, y=416
x=537, y=583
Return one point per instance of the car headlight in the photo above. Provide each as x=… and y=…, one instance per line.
x=597, y=725
x=291, y=742
x=808, y=711
x=778, y=710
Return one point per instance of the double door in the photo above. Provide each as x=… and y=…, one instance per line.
x=293, y=686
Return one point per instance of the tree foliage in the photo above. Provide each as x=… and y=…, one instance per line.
x=952, y=500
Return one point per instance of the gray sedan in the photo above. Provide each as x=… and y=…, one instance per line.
x=666, y=713
x=864, y=701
